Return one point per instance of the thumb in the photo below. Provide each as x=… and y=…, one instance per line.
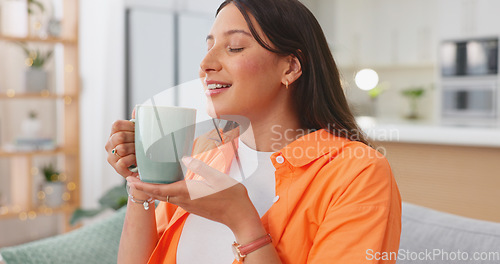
x=133, y=113
x=214, y=178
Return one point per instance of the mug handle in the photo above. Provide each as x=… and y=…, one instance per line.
x=133, y=168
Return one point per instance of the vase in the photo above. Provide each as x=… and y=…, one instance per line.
x=413, y=113
x=14, y=18
x=31, y=128
x=36, y=80
x=53, y=193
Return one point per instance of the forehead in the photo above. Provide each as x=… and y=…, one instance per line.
x=230, y=18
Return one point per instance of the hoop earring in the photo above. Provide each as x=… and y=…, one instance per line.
x=286, y=85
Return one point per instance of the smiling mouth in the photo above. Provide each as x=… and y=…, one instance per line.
x=216, y=86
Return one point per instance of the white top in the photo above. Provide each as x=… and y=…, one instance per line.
x=206, y=241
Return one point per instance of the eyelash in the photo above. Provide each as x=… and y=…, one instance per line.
x=235, y=50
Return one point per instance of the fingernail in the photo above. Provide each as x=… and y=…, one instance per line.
x=186, y=160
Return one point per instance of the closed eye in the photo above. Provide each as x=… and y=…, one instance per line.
x=235, y=50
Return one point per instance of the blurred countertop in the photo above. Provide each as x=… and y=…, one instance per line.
x=428, y=133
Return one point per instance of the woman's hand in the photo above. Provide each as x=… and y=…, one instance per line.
x=218, y=197
x=121, y=147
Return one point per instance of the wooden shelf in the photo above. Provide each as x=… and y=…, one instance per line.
x=56, y=151
x=21, y=176
x=41, y=95
x=49, y=40
x=7, y=212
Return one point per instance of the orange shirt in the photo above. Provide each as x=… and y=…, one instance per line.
x=338, y=203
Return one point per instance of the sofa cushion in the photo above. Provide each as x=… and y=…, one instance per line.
x=441, y=238
x=95, y=243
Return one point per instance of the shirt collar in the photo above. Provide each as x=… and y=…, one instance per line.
x=300, y=152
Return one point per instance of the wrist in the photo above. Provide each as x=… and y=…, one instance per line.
x=249, y=230
x=145, y=202
x=137, y=194
x=241, y=251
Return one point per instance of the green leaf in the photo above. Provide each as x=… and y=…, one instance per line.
x=49, y=171
x=80, y=214
x=414, y=92
x=23, y=46
x=37, y=3
x=114, y=198
x=375, y=92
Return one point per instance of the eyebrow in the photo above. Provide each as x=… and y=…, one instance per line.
x=230, y=32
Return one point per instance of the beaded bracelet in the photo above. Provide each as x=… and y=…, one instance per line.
x=144, y=203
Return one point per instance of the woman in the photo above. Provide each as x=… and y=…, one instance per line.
x=320, y=192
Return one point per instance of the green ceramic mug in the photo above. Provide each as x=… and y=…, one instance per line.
x=163, y=135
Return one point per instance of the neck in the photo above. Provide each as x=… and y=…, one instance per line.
x=272, y=132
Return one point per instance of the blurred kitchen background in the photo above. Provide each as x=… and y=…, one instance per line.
x=421, y=75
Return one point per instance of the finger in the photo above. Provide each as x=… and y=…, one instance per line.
x=121, y=137
x=122, y=125
x=158, y=191
x=198, y=189
x=216, y=179
x=121, y=165
x=125, y=149
x=133, y=113
x=199, y=167
x=108, y=147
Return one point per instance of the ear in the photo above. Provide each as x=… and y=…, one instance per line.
x=293, y=70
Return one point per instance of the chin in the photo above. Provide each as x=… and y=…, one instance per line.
x=211, y=109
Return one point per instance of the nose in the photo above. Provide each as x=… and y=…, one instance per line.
x=210, y=63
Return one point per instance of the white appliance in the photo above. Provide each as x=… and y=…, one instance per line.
x=469, y=93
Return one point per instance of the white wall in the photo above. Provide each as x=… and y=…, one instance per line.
x=101, y=66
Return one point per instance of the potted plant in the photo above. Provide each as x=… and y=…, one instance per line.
x=374, y=94
x=14, y=18
x=36, y=76
x=31, y=126
x=413, y=94
x=53, y=187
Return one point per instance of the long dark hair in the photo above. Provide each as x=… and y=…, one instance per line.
x=318, y=97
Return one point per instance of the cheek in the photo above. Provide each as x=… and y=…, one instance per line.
x=256, y=68
x=246, y=66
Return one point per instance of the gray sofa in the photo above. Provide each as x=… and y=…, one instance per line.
x=433, y=237
x=91, y=244
x=428, y=236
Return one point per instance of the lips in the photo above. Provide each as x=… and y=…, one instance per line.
x=216, y=87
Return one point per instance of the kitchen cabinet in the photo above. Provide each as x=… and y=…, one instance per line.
x=382, y=33
x=468, y=18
